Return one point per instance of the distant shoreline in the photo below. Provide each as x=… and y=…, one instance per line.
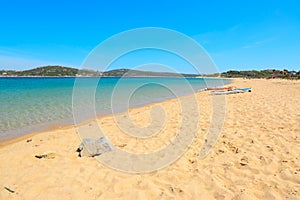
x=196, y=77
x=62, y=71
x=104, y=77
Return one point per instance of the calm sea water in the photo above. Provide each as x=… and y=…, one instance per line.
x=36, y=104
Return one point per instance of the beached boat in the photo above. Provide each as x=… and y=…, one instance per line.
x=238, y=90
x=220, y=88
x=245, y=89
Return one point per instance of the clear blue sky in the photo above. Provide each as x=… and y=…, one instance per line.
x=237, y=34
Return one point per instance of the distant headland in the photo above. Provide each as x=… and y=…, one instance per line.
x=62, y=71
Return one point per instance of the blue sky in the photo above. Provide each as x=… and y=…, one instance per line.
x=237, y=34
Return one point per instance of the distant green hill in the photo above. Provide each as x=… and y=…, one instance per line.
x=68, y=71
x=269, y=73
x=50, y=71
x=42, y=71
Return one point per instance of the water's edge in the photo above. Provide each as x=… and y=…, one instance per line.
x=17, y=134
x=62, y=124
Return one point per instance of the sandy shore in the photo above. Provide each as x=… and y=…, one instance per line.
x=257, y=155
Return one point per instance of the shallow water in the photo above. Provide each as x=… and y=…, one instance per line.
x=35, y=104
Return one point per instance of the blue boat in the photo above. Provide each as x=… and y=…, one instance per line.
x=244, y=89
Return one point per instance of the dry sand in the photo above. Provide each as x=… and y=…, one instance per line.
x=256, y=157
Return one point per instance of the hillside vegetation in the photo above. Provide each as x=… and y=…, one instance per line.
x=68, y=71
x=270, y=73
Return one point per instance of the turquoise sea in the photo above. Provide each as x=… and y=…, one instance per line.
x=36, y=104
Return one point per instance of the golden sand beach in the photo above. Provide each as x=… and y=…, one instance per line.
x=257, y=155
